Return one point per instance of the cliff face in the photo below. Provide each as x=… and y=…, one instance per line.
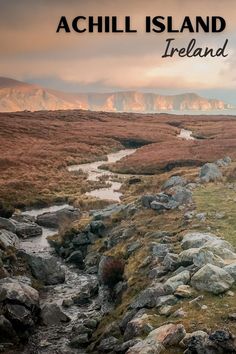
x=19, y=96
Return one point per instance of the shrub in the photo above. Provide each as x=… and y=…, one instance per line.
x=112, y=271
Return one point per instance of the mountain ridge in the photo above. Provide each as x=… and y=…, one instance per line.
x=19, y=96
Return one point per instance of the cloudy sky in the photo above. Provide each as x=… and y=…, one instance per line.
x=32, y=51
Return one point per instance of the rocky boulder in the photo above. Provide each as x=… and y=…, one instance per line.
x=174, y=181
x=213, y=279
x=147, y=346
x=46, y=269
x=168, y=335
x=55, y=219
x=174, y=282
x=196, y=239
x=148, y=297
x=210, y=172
x=8, y=239
x=51, y=314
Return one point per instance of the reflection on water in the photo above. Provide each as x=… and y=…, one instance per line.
x=94, y=171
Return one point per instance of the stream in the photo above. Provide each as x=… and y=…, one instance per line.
x=54, y=339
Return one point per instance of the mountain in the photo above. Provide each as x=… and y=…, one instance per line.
x=19, y=96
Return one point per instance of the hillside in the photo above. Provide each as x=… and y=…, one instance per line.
x=20, y=96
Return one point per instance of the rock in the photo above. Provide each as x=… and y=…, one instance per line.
x=46, y=269
x=82, y=239
x=132, y=247
x=14, y=291
x=107, y=344
x=146, y=200
x=168, y=335
x=87, y=291
x=107, y=212
x=97, y=227
x=67, y=303
x=212, y=279
x=51, y=314
x=7, y=332
x=157, y=272
x=147, y=298
x=204, y=256
x=231, y=269
x=210, y=173
x=8, y=239
x=196, y=239
x=146, y=347
x=174, y=181
x=182, y=195
x=180, y=313
x=80, y=340
x=165, y=310
x=158, y=206
x=137, y=327
x=232, y=317
x=159, y=250
x=184, y=291
x=77, y=258
x=91, y=323
x=170, y=262
x=224, y=340
x=201, y=217
x=122, y=348
x=126, y=319
x=5, y=212
x=189, y=336
x=221, y=248
x=19, y=316
x=224, y=162
x=134, y=180
x=180, y=279
x=55, y=219
x=26, y=230
x=167, y=300
x=7, y=224
x=186, y=257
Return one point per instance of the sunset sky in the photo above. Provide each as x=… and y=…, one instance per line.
x=32, y=51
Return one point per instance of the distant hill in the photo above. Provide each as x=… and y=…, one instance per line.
x=19, y=96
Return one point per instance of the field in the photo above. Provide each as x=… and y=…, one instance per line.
x=37, y=147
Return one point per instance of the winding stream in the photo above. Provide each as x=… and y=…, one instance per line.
x=54, y=339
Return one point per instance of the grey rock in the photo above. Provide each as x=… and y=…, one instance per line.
x=147, y=346
x=19, y=316
x=126, y=318
x=51, y=314
x=77, y=258
x=147, y=298
x=159, y=250
x=8, y=239
x=107, y=212
x=158, y=206
x=7, y=224
x=59, y=217
x=7, y=332
x=231, y=269
x=224, y=162
x=14, y=291
x=107, y=344
x=97, y=227
x=157, y=272
x=174, y=181
x=180, y=279
x=131, y=248
x=189, y=337
x=204, y=256
x=221, y=248
x=210, y=173
x=46, y=269
x=212, y=279
x=122, y=348
x=146, y=200
x=182, y=195
x=80, y=340
x=26, y=230
x=196, y=239
x=167, y=300
x=170, y=262
x=186, y=257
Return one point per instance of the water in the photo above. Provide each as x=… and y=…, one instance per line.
x=186, y=134
x=94, y=171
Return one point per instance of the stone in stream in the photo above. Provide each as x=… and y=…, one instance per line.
x=8, y=239
x=21, y=229
x=59, y=217
x=46, y=269
x=51, y=314
x=77, y=258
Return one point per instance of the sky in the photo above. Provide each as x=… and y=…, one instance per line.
x=32, y=51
